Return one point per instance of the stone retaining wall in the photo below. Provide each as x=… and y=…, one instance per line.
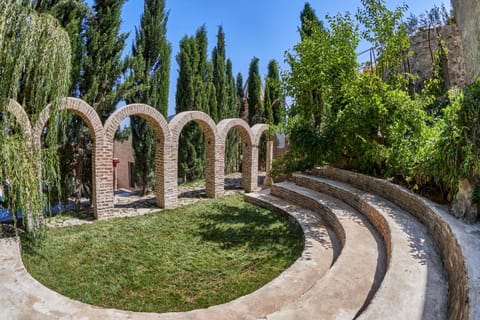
x=445, y=239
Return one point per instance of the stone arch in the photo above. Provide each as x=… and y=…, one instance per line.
x=21, y=117
x=249, y=178
x=214, y=155
x=164, y=197
x=94, y=124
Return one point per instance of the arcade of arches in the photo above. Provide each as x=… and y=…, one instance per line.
x=167, y=136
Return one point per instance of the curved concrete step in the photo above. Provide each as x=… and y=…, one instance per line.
x=22, y=297
x=348, y=285
x=415, y=284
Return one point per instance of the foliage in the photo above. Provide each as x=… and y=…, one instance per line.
x=254, y=94
x=102, y=65
x=34, y=70
x=148, y=82
x=310, y=23
x=388, y=34
x=319, y=66
x=274, y=97
x=203, y=254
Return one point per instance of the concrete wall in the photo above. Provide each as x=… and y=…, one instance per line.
x=467, y=13
x=123, y=151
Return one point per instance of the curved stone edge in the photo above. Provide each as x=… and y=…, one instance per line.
x=351, y=283
x=457, y=241
x=22, y=296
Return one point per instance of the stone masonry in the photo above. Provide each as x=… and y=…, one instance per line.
x=167, y=135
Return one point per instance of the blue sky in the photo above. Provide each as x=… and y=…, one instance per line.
x=261, y=28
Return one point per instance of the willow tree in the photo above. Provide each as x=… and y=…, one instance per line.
x=34, y=70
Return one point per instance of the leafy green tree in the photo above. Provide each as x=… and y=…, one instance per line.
x=147, y=82
x=232, y=151
x=102, y=62
x=387, y=32
x=254, y=91
x=320, y=66
x=34, y=70
x=72, y=15
x=274, y=98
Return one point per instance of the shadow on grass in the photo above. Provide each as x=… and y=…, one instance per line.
x=251, y=227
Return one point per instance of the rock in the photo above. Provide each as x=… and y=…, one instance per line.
x=463, y=206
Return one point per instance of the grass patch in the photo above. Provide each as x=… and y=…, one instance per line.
x=174, y=260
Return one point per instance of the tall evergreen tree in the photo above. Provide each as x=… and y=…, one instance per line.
x=102, y=64
x=193, y=93
x=254, y=91
x=219, y=76
x=309, y=21
x=274, y=99
x=147, y=82
x=232, y=148
x=242, y=105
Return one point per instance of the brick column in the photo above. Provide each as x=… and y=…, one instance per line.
x=166, y=175
x=102, y=180
x=214, y=163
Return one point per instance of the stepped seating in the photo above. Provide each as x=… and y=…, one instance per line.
x=348, y=285
x=372, y=250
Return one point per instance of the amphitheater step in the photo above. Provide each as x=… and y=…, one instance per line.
x=347, y=286
x=415, y=284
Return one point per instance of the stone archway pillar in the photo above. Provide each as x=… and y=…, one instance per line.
x=268, y=175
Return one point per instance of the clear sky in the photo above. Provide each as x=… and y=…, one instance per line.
x=261, y=28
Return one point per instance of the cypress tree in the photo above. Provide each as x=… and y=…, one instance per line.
x=219, y=76
x=274, y=99
x=147, y=82
x=232, y=149
x=242, y=105
x=254, y=92
x=193, y=93
x=309, y=22
x=102, y=64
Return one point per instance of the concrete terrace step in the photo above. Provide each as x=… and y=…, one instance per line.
x=348, y=285
x=415, y=284
x=22, y=297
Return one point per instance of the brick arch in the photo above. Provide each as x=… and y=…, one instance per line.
x=94, y=124
x=21, y=117
x=257, y=131
x=164, y=198
x=249, y=177
x=78, y=107
x=214, y=157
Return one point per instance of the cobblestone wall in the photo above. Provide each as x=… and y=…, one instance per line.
x=424, y=44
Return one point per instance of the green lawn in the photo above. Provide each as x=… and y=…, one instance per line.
x=174, y=260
